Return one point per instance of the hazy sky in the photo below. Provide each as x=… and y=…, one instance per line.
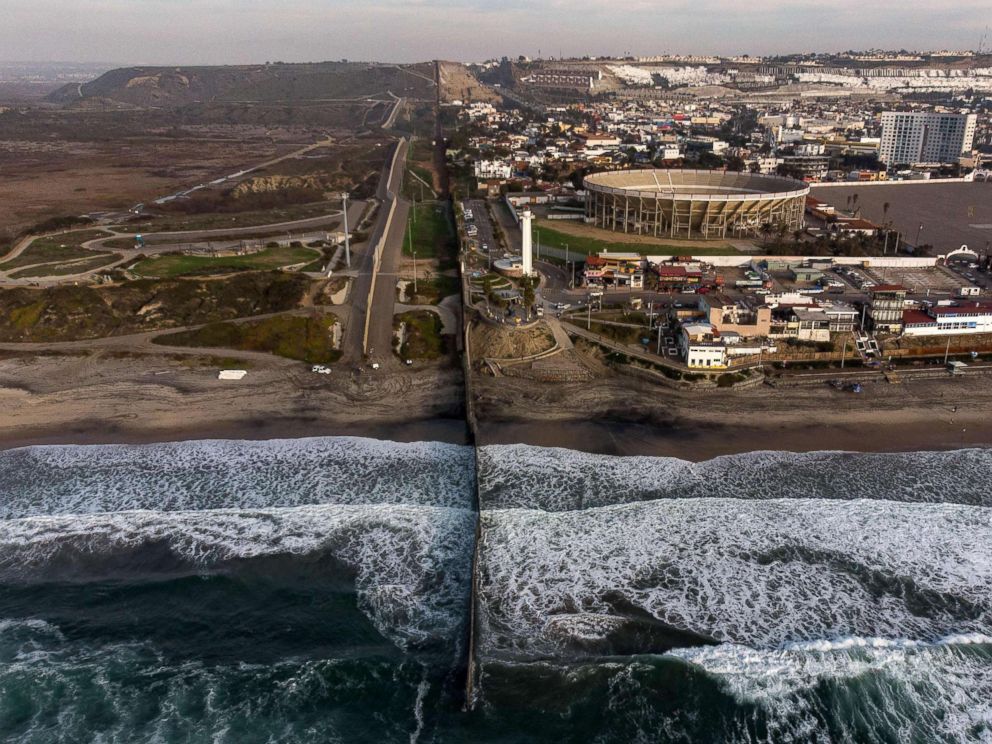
x=225, y=31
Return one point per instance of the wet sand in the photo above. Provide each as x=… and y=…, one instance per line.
x=624, y=417
x=450, y=431
x=705, y=442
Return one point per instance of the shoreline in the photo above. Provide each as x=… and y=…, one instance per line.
x=701, y=443
x=447, y=431
x=108, y=400
x=695, y=442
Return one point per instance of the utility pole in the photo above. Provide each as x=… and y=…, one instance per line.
x=843, y=358
x=947, y=351
x=414, y=273
x=409, y=235
x=347, y=237
x=659, y=340
x=589, y=312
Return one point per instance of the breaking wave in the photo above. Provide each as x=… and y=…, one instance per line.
x=647, y=577
x=410, y=564
x=866, y=690
x=187, y=476
x=519, y=476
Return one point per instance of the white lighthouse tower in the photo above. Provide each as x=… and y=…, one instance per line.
x=528, y=246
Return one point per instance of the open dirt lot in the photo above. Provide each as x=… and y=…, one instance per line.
x=50, y=179
x=952, y=214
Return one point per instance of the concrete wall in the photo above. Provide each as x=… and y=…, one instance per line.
x=904, y=262
x=859, y=184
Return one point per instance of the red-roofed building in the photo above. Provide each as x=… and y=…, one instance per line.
x=949, y=320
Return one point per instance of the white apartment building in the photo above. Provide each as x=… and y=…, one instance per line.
x=487, y=169
x=910, y=137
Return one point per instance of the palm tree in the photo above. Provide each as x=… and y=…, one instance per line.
x=766, y=231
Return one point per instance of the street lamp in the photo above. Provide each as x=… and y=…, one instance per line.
x=347, y=238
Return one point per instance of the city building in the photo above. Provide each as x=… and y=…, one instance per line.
x=887, y=307
x=615, y=270
x=493, y=169
x=736, y=316
x=910, y=137
x=700, y=348
x=949, y=320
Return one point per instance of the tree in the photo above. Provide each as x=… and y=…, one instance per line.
x=527, y=284
x=766, y=231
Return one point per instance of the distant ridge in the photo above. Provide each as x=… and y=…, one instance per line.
x=173, y=87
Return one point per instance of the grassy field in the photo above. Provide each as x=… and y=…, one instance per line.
x=58, y=248
x=308, y=339
x=423, y=335
x=63, y=269
x=69, y=313
x=431, y=232
x=180, y=265
x=583, y=245
x=620, y=334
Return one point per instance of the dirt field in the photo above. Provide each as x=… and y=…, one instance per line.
x=952, y=214
x=70, y=162
x=50, y=179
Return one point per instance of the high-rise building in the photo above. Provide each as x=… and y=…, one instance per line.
x=910, y=137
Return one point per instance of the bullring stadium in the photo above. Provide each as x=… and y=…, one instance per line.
x=693, y=204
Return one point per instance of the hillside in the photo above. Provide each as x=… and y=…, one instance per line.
x=172, y=87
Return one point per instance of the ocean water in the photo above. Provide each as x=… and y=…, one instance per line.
x=321, y=590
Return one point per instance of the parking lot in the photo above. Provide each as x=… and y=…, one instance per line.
x=937, y=280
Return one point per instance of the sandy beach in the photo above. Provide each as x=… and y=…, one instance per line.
x=621, y=416
x=103, y=399
x=98, y=399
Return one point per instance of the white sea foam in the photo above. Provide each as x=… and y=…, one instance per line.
x=411, y=563
x=918, y=691
x=187, y=476
x=520, y=476
x=760, y=573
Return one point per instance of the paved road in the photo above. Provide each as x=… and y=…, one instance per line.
x=186, y=236
x=486, y=235
x=381, y=311
x=182, y=240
